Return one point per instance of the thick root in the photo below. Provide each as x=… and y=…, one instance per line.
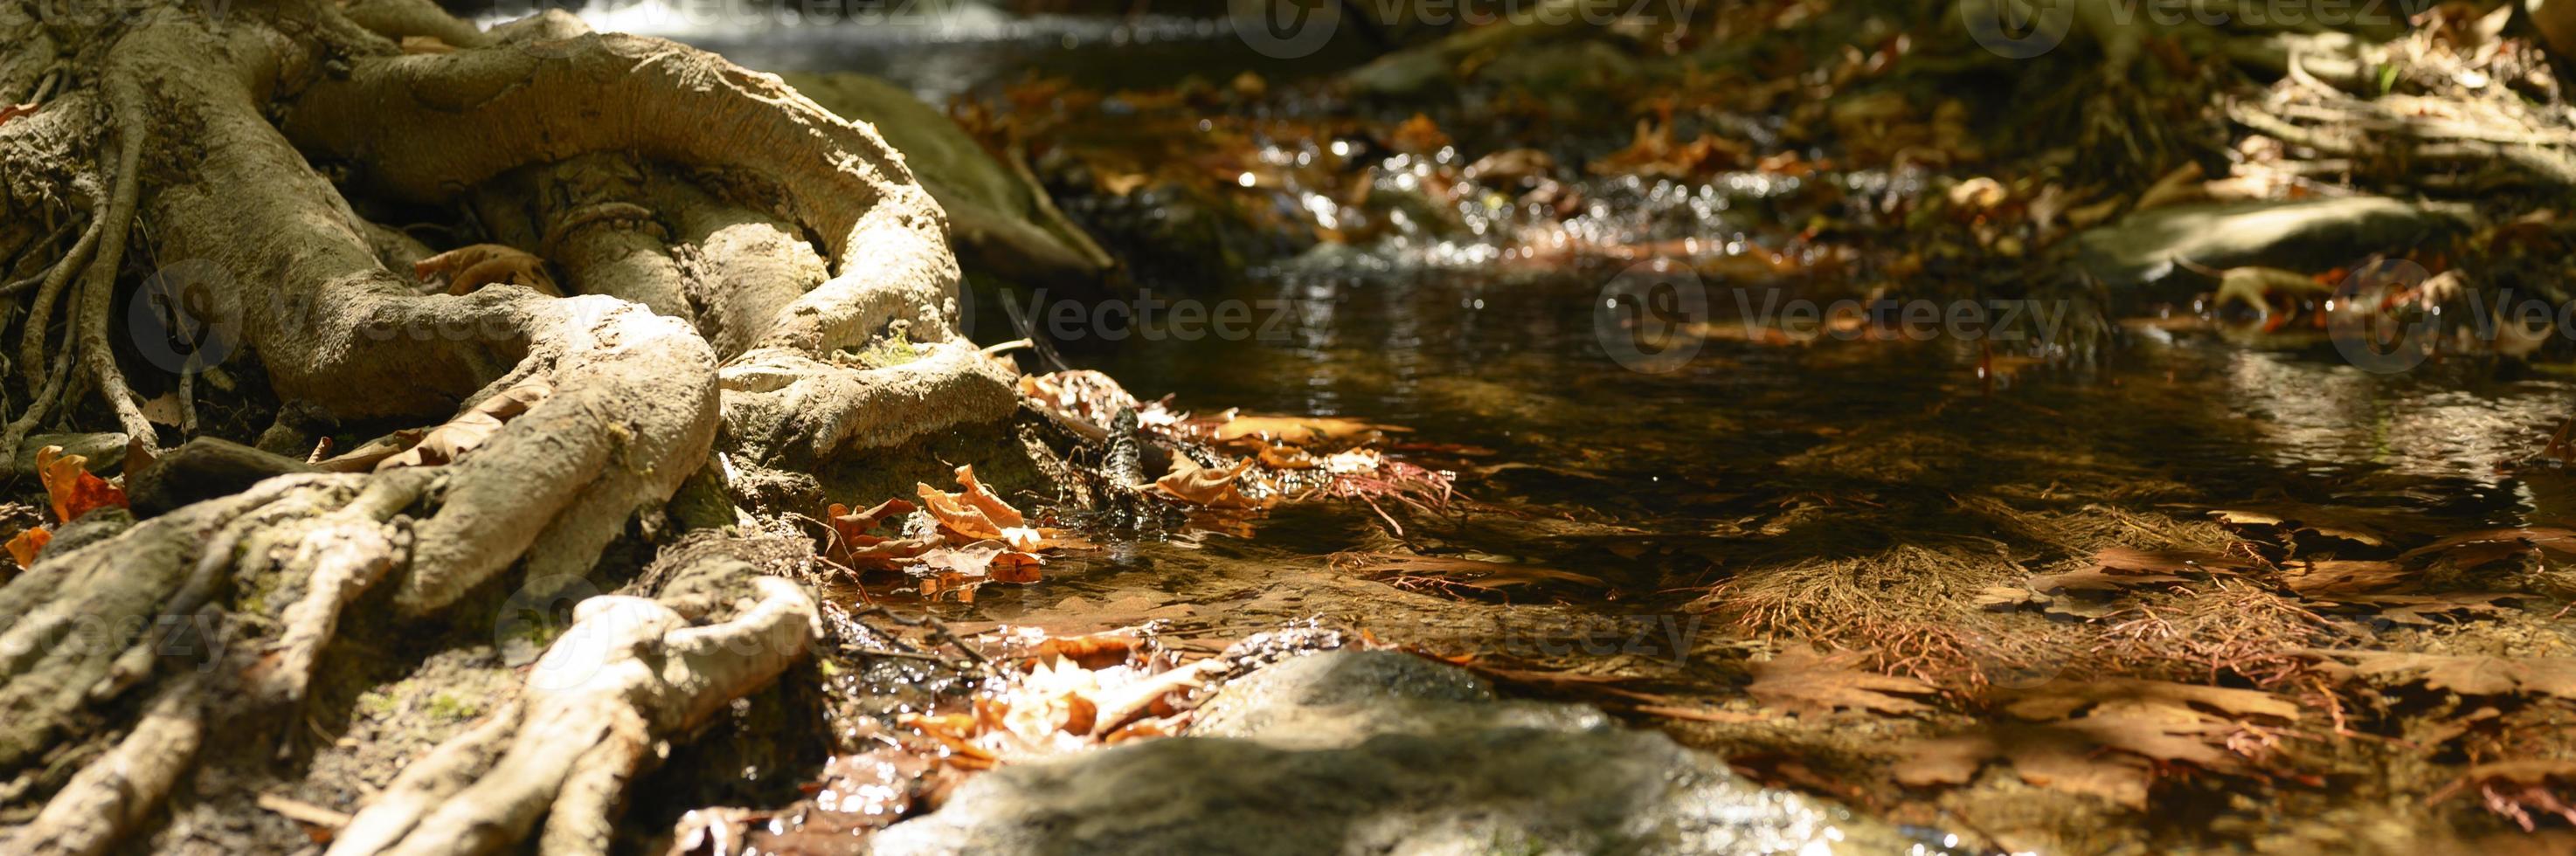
x=630, y=671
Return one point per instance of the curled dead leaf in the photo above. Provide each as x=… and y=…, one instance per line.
x=1208, y=486
x=71, y=487
x=473, y=267
x=1808, y=682
x=27, y=543
x=470, y=429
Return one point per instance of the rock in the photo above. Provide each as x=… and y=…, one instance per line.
x=1382, y=752
x=2138, y=251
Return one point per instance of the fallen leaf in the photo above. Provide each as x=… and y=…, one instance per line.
x=1208, y=486
x=72, y=488
x=2117, y=569
x=470, y=429
x=855, y=546
x=28, y=543
x=2468, y=675
x=1467, y=572
x=942, y=570
x=426, y=45
x=2516, y=788
x=1809, y=682
x=1297, y=430
x=473, y=267
x=975, y=514
x=2497, y=544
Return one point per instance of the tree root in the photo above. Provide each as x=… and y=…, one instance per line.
x=702, y=209
x=629, y=671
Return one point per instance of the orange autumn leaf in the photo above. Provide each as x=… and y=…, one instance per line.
x=73, y=489
x=975, y=514
x=29, y=542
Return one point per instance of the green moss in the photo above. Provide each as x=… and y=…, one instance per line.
x=451, y=708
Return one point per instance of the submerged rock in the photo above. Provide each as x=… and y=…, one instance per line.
x=1382, y=752
x=2139, y=251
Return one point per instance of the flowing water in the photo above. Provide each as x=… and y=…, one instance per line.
x=1665, y=477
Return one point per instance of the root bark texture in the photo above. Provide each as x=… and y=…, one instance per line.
x=730, y=248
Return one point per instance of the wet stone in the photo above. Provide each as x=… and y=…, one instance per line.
x=1383, y=752
x=2139, y=251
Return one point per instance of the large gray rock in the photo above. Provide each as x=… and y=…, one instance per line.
x=2304, y=235
x=1381, y=752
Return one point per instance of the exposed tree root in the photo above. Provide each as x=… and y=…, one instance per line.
x=731, y=247
x=628, y=672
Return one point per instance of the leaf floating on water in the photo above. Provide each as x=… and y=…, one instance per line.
x=447, y=443
x=1809, y=682
x=1299, y=430
x=1208, y=486
x=1451, y=574
x=71, y=487
x=975, y=514
x=2470, y=549
x=856, y=546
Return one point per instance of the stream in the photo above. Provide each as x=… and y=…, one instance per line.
x=1678, y=484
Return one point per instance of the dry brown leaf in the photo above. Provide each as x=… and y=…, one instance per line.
x=27, y=543
x=2060, y=699
x=855, y=546
x=962, y=569
x=1418, y=135
x=1298, y=430
x=2469, y=549
x=1214, y=488
x=473, y=267
x=1805, y=681
x=2331, y=579
x=975, y=514
x=1462, y=571
x=2469, y=675
x=2517, y=788
x=71, y=487
x=470, y=429
x=2119, y=568
x=426, y=45
x=2047, y=756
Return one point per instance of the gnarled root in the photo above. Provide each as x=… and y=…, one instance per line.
x=659, y=168
x=629, y=672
